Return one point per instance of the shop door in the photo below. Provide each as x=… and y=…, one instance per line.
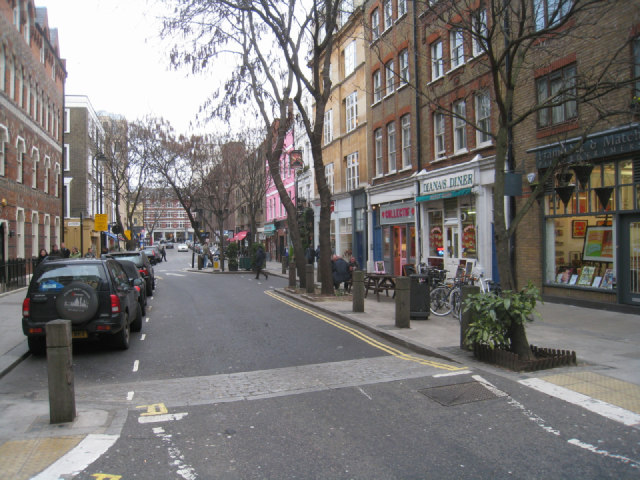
x=452, y=253
x=629, y=261
x=399, y=249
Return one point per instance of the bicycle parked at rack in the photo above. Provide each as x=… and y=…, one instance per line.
x=447, y=298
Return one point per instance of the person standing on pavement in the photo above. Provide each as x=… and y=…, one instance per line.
x=64, y=251
x=41, y=256
x=259, y=263
x=75, y=253
x=55, y=252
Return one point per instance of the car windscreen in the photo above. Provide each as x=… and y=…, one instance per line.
x=55, y=277
x=129, y=267
x=137, y=259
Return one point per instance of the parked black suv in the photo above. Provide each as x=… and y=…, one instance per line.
x=93, y=293
x=144, y=266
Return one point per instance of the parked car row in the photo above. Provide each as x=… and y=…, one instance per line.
x=103, y=298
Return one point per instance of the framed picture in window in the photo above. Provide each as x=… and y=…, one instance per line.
x=578, y=228
x=379, y=267
x=598, y=244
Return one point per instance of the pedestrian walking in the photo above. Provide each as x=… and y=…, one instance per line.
x=259, y=263
x=164, y=253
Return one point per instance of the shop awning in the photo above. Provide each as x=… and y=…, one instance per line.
x=111, y=235
x=240, y=235
x=441, y=195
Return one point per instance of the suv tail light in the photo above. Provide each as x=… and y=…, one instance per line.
x=144, y=272
x=26, y=307
x=115, y=304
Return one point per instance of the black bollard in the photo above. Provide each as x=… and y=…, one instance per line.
x=357, y=288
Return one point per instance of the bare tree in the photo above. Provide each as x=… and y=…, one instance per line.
x=280, y=51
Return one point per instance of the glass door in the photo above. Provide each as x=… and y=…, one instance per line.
x=629, y=266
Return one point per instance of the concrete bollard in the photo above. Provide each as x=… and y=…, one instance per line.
x=402, y=302
x=62, y=402
x=311, y=286
x=466, y=317
x=357, y=287
x=292, y=275
x=284, y=265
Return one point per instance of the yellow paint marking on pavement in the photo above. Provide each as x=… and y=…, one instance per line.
x=365, y=338
x=106, y=476
x=22, y=459
x=154, y=409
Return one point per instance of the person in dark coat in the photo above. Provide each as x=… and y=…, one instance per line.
x=310, y=255
x=64, y=251
x=55, y=252
x=259, y=263
x=340, y=269
x=41, y=256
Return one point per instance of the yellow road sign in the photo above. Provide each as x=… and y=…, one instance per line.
x=127, y=233
x=101, y=222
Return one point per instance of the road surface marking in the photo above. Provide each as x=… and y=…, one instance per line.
x=143, y=336
x=365, y=338
x=177, y=457
x=136, y=364
x=594, y=405
x=130, y=396
x=452, y=374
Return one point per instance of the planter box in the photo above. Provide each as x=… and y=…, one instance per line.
x=545, y=358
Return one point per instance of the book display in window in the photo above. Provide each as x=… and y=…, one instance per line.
x=607, y=279
x=586, y=275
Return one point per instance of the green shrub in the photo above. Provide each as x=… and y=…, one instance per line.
x=493, y=316
x=232, y=256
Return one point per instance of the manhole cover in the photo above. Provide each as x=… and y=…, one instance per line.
x=458, y=394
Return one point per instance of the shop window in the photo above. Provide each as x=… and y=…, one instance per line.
x=469, y=234
x=436, y=234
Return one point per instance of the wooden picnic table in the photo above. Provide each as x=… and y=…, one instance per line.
x=377, y=282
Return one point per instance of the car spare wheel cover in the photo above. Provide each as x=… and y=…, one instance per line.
x=77, y=302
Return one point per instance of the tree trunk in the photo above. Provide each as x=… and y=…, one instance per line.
x=519, y=342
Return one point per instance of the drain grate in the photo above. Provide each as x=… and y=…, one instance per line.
x=459, y=393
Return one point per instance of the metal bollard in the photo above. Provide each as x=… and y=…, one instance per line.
x=292, y=275
x=62, y=402
x=466, y=317
x=402, y=302
x=311, y=286
x=357, y=287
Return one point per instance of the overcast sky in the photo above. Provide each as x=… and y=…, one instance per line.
x=114, y=57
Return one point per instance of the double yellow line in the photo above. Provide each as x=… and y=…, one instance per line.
x=365, y=338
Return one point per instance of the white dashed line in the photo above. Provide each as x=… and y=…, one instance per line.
x=130, y=396
x=136, y=364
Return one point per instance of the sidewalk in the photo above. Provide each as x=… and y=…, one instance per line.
x=607, y=346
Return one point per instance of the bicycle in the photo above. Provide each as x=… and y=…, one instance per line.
x=446, y=299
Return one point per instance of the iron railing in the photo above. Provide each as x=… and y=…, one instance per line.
x=16, y=273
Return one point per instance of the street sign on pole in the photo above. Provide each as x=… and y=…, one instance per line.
x=101, y=222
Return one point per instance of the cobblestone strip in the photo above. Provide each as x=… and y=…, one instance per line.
x=258, y=384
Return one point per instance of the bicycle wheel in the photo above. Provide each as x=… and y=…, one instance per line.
x=440, y=301
x=455, y=300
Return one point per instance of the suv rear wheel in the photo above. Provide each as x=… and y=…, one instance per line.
x=37, y=345
x=136, y=325
x=121, y=339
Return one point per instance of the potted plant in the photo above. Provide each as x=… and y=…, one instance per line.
x=232, y=256
x=496, y=319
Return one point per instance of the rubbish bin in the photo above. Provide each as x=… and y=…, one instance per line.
x=200, y=261
x=419, y=301
x=245, y=263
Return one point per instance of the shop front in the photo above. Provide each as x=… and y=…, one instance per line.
x=591, y=247
x=456, y=211
x=341, y=233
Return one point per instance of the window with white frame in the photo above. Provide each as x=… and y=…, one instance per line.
x=377, y=136
x=56, y=178
x=353, y=171
x=67, y=120
x=12, y=78
x=558, y=89
x=375, y=24
x=346, y=9
x=328, y=173
x=457, y=47
x=352, y=111
x=65, y=159
x=480, y=32
x=35, y=158
x=377, y=86
x=636, y=65
x=349, y=58
x=388, y=14
x=402, y=7
x=47, y=168
x=391, y=146
x=405, y=124
x=549, y=13
x=3, y=67
x=20, y=87
x=437, y=61
x=4, y=140
x=459, y=126
x=16, y=15
x=403, y=60
x=389, y=77
x=439, y=144
x=20, y=151
x=328, y=126
x=483, y=118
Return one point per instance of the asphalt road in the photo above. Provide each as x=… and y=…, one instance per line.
x=227, y=380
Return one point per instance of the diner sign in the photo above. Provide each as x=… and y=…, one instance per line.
x=446, y=183
x=397, y=213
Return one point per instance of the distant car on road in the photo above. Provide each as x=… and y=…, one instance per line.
x=183, y=248
x=144, y=267
x=168, y=245
x=153, y=254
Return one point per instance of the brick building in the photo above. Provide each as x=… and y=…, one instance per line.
x=32, y=77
